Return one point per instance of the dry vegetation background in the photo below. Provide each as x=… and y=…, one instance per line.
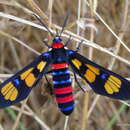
x=40, y=111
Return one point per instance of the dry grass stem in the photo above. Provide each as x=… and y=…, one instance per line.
x=104, y=28
x=78, y=39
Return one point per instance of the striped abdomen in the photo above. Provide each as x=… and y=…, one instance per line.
x=63, y=88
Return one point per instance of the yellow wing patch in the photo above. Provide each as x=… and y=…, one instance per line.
x=26, y=73
x=112, y=85
x=77, y=63
x=9, y=92
x=94, y=69
x=90, y=76
x=91, y=73
x=30, y=79
x=41, y=65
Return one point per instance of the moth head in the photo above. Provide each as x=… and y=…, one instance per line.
x=57, y=39
x=57, y=43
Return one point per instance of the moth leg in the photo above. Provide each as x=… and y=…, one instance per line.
x=45, y=43
x=49, y=72
x=79, y=44
x=49, y=85
x=75, y=77
x=68, y=41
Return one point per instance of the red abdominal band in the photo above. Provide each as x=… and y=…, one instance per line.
x=63, y=90
x=59, y=66
x=64, y=99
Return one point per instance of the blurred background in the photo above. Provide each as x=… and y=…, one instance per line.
x=92, y=112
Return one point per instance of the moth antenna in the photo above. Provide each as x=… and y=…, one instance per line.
x=41, y=21
x=65, y=22
x=57, y=32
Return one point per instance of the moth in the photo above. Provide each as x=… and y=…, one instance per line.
x=59, y=58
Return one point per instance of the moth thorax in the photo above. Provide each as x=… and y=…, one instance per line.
x=57, y=45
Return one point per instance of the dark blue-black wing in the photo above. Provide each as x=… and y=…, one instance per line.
x=101, y=80
x=19, y=86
